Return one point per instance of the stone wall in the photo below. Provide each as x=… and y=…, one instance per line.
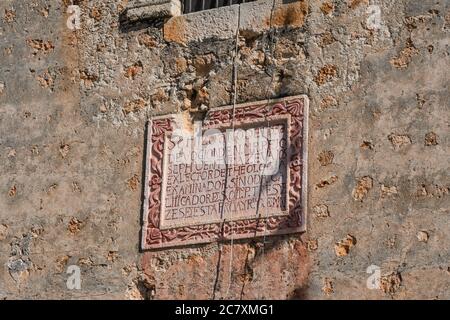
x=73, y=107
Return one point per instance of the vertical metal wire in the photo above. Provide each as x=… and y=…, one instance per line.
x=235, y=80
x=271, y=46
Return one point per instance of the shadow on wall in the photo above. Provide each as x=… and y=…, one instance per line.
x=301, y=293
x=126, y=26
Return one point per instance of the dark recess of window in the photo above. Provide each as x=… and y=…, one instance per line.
x=200, y=5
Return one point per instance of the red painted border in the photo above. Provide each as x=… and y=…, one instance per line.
x=295, y=221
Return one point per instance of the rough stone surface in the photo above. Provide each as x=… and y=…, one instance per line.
x=152, y=9
x=72, y=121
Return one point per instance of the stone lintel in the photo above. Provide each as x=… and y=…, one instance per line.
x=153, y=9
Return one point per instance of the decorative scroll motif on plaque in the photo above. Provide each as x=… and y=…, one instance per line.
x=240, y=173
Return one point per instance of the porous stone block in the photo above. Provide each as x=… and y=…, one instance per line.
x=153, y=9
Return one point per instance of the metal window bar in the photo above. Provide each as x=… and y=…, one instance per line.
x=200, y=5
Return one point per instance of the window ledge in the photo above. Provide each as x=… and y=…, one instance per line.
x=152, y=9
x=254, y=18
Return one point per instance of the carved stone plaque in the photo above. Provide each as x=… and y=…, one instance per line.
x=239, y=173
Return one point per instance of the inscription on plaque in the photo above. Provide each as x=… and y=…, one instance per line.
x=240, y=173
x=253, y=179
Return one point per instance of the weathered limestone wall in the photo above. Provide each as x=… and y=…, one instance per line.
x=73, y=106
